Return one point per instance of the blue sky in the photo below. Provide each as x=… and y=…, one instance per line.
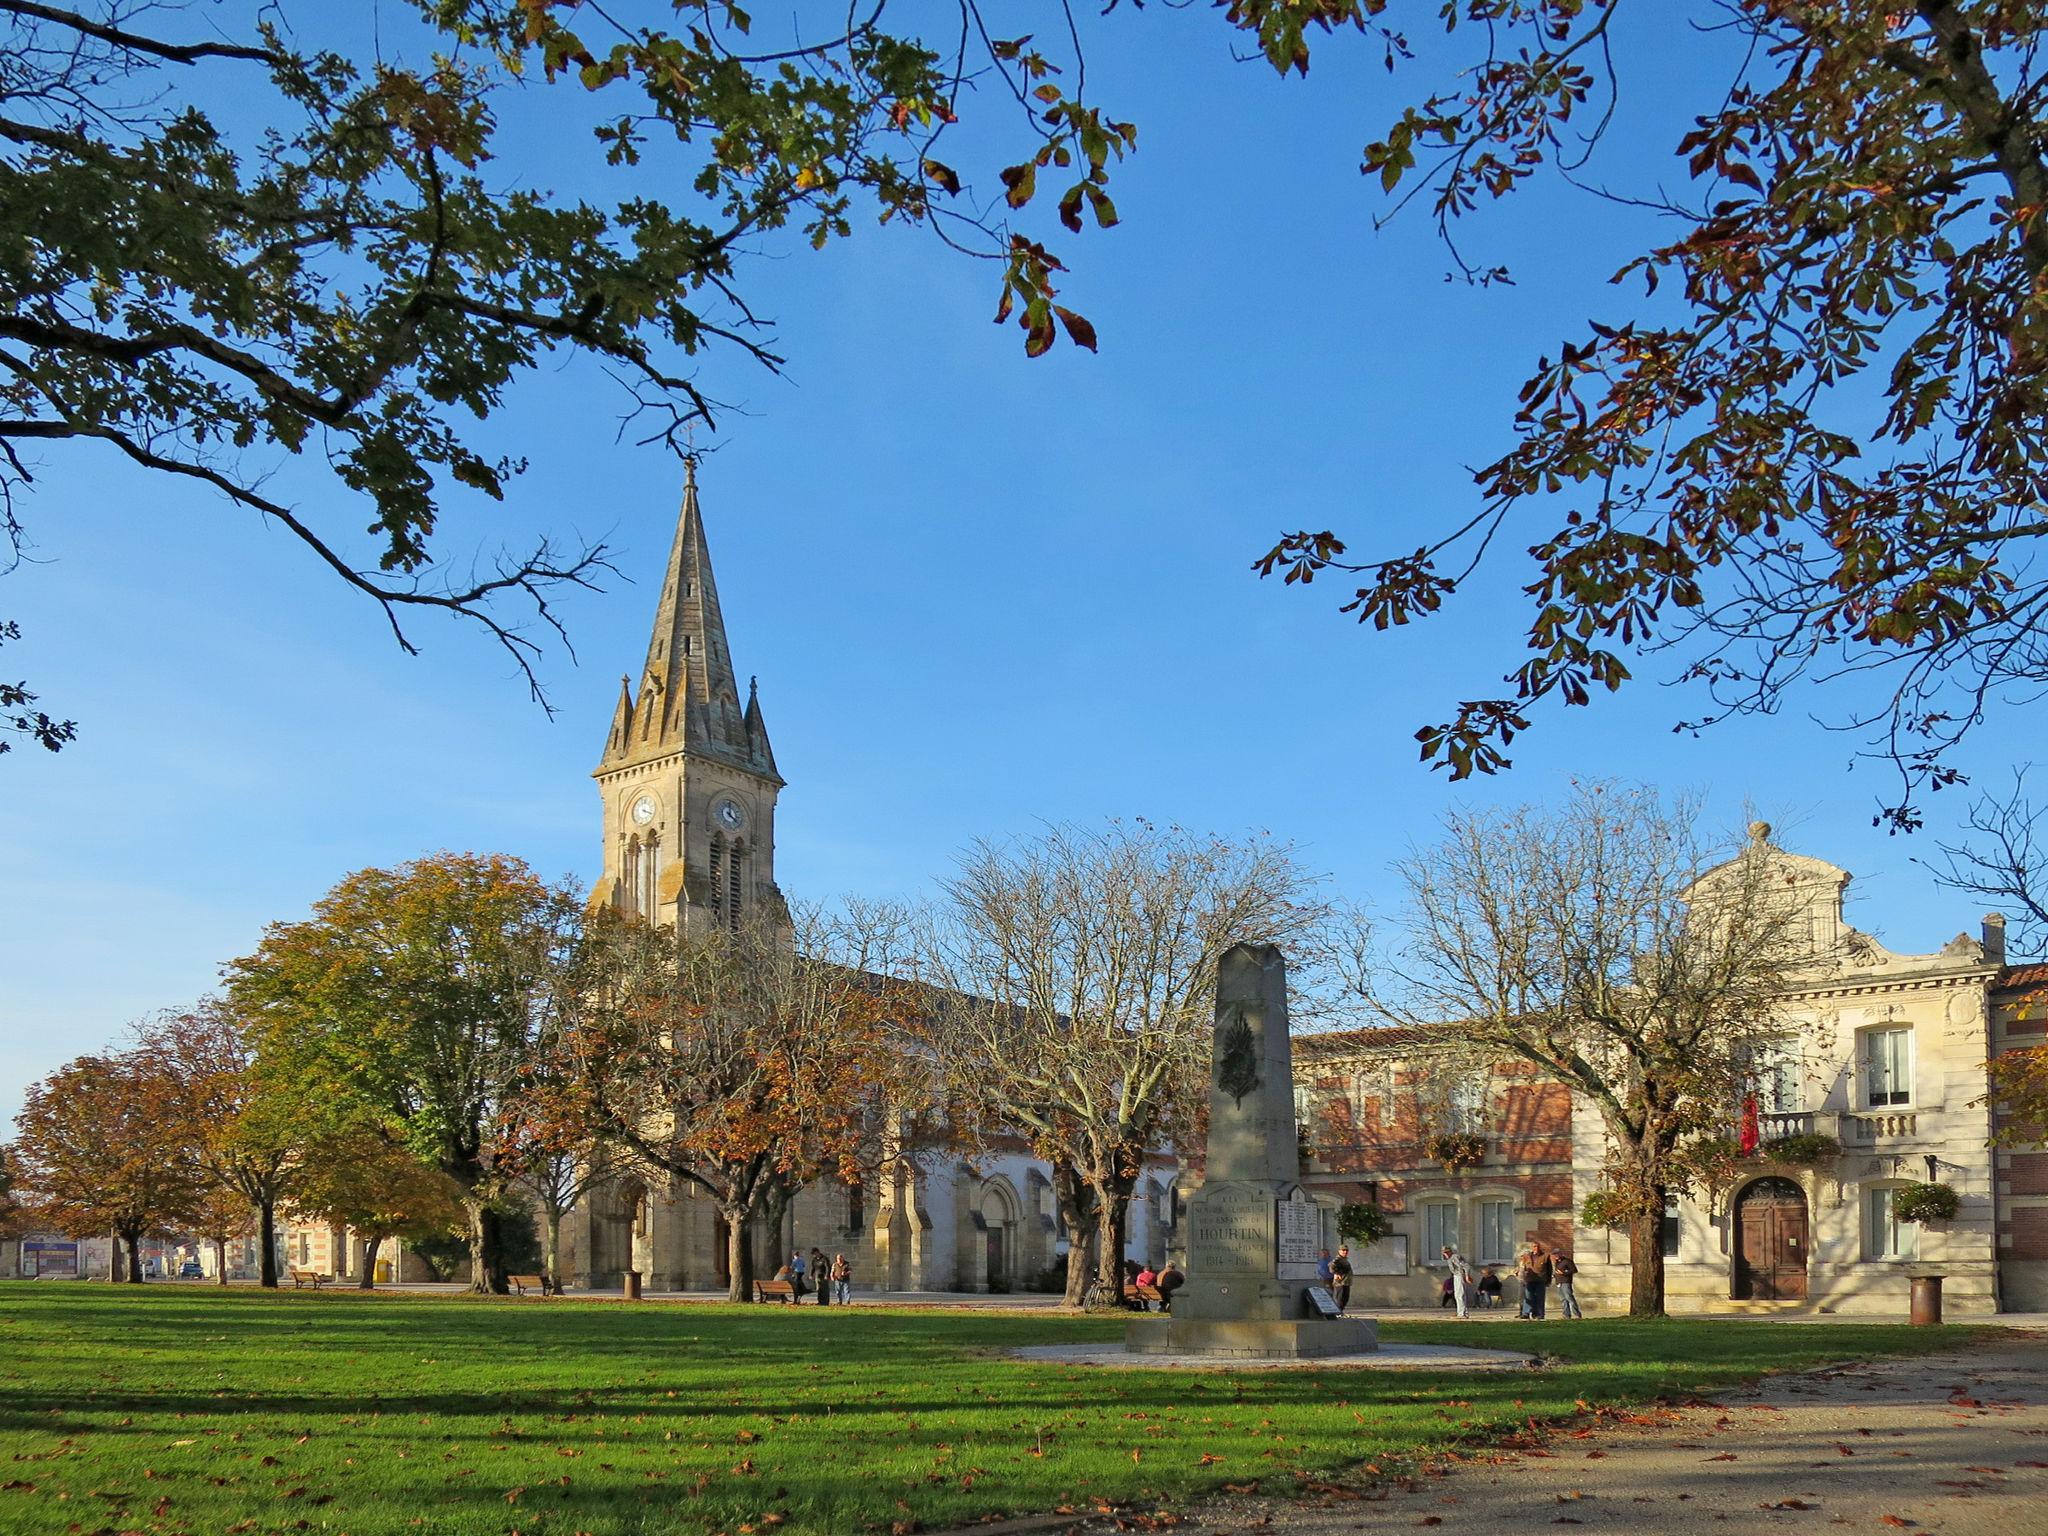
x=979, y=592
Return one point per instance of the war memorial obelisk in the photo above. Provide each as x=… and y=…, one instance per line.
x=1253, y=1232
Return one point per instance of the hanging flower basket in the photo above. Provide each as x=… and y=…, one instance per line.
x=1926, y=1203
x=1456, y=1150
x=1364, y=1224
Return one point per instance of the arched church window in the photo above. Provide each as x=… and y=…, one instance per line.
x=718, y=876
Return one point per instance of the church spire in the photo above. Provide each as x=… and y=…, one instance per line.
x=689, y=698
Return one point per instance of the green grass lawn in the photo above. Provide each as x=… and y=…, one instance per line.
x=185, y=1409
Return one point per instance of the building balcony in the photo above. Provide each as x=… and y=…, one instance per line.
x=1774, y=1127
x=1878, y=1127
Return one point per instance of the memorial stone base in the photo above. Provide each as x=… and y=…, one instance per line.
x=1311, y=1338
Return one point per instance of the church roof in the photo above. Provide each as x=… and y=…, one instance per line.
x=688, y=698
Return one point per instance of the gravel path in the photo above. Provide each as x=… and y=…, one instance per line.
x=1953, y=1443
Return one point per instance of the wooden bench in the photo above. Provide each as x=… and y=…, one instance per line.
x=775, y=1290
x=311, y=1277
x=521, y=1284
x=1150, y=1296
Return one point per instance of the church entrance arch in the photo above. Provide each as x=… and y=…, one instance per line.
x=1771, y=1241
x=1002, y=1215
x=618, y=1232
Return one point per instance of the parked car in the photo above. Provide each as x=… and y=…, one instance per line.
x=189, y=1270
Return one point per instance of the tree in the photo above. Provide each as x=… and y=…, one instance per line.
x=1082, y=972
x=412, y=997
x=356, y=1176
x=559, y=1176
x=101, y=1152
x=221, y=1214
x=13, y=1214
x=334, y=266
x=745, y=1062
x=1816, y=455
x=243, y=1139
x=1625, y=956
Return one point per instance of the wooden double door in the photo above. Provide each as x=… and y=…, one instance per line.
x=1771, y=1242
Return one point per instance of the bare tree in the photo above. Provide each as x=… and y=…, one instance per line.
x=2003, y=857
x=1082, y=968
x=745, y=1062
x=1624, y=955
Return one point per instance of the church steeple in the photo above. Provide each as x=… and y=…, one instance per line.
x=688, y=696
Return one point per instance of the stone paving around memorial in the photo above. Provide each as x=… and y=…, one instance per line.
x=1954, y=1443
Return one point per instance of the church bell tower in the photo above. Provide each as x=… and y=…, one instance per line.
x=687, y=777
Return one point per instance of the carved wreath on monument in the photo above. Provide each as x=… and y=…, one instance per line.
x=1237, y=1056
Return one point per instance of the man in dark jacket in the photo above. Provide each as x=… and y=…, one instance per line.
x=1340, y=1278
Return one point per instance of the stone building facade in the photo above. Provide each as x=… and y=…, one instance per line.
x=1881, y=1051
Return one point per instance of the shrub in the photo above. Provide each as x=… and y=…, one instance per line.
x=1803, y=1151
x=1925, y=1202
x=1456, y=1149
x=1364, y=1224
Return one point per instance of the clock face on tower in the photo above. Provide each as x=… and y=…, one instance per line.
x=643, y=810
x=729, y=814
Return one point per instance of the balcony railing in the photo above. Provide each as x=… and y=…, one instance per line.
x=1774, y=1127
x=1866, y=1130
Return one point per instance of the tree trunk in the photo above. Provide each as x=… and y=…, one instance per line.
x=1112, y=1215
x=739, y=1257
x=486, y=1249
x=220, y=1261
x=1077, y=1215
x=266, y=1242
x=134, y=1258
x=371, y=1244
x=1646, y=1256
x=551, y=1245
x=114, y=1261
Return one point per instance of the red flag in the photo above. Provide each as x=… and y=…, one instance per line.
x=1752, y=1132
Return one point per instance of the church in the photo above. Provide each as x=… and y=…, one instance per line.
x=688, y=786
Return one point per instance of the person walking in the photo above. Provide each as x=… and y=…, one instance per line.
x=796, y=1266
x=1459, y=1280
x=1340, y=1278
x=1536, y=1279
x=1323, y=1270
x=842, y=1279
x=1563, y=1271
x=821, y=1278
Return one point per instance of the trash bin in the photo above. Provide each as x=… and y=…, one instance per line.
x=633, y=1291
x=1926, y=1300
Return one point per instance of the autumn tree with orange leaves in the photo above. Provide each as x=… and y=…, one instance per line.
x=413, y=998
x=745, y=1063
x=102, y=1150
x=245, y=1139
x=357, y=1177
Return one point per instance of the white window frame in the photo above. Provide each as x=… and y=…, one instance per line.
x=1895, y=1065
x=1487, y=1209
x=1435, y=1236
x=1465, y=1104
x=1886, y=1239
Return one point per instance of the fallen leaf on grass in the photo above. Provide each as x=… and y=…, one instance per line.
x=1789, y=1504
x=1723, y=1456
x=1897, y=1520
